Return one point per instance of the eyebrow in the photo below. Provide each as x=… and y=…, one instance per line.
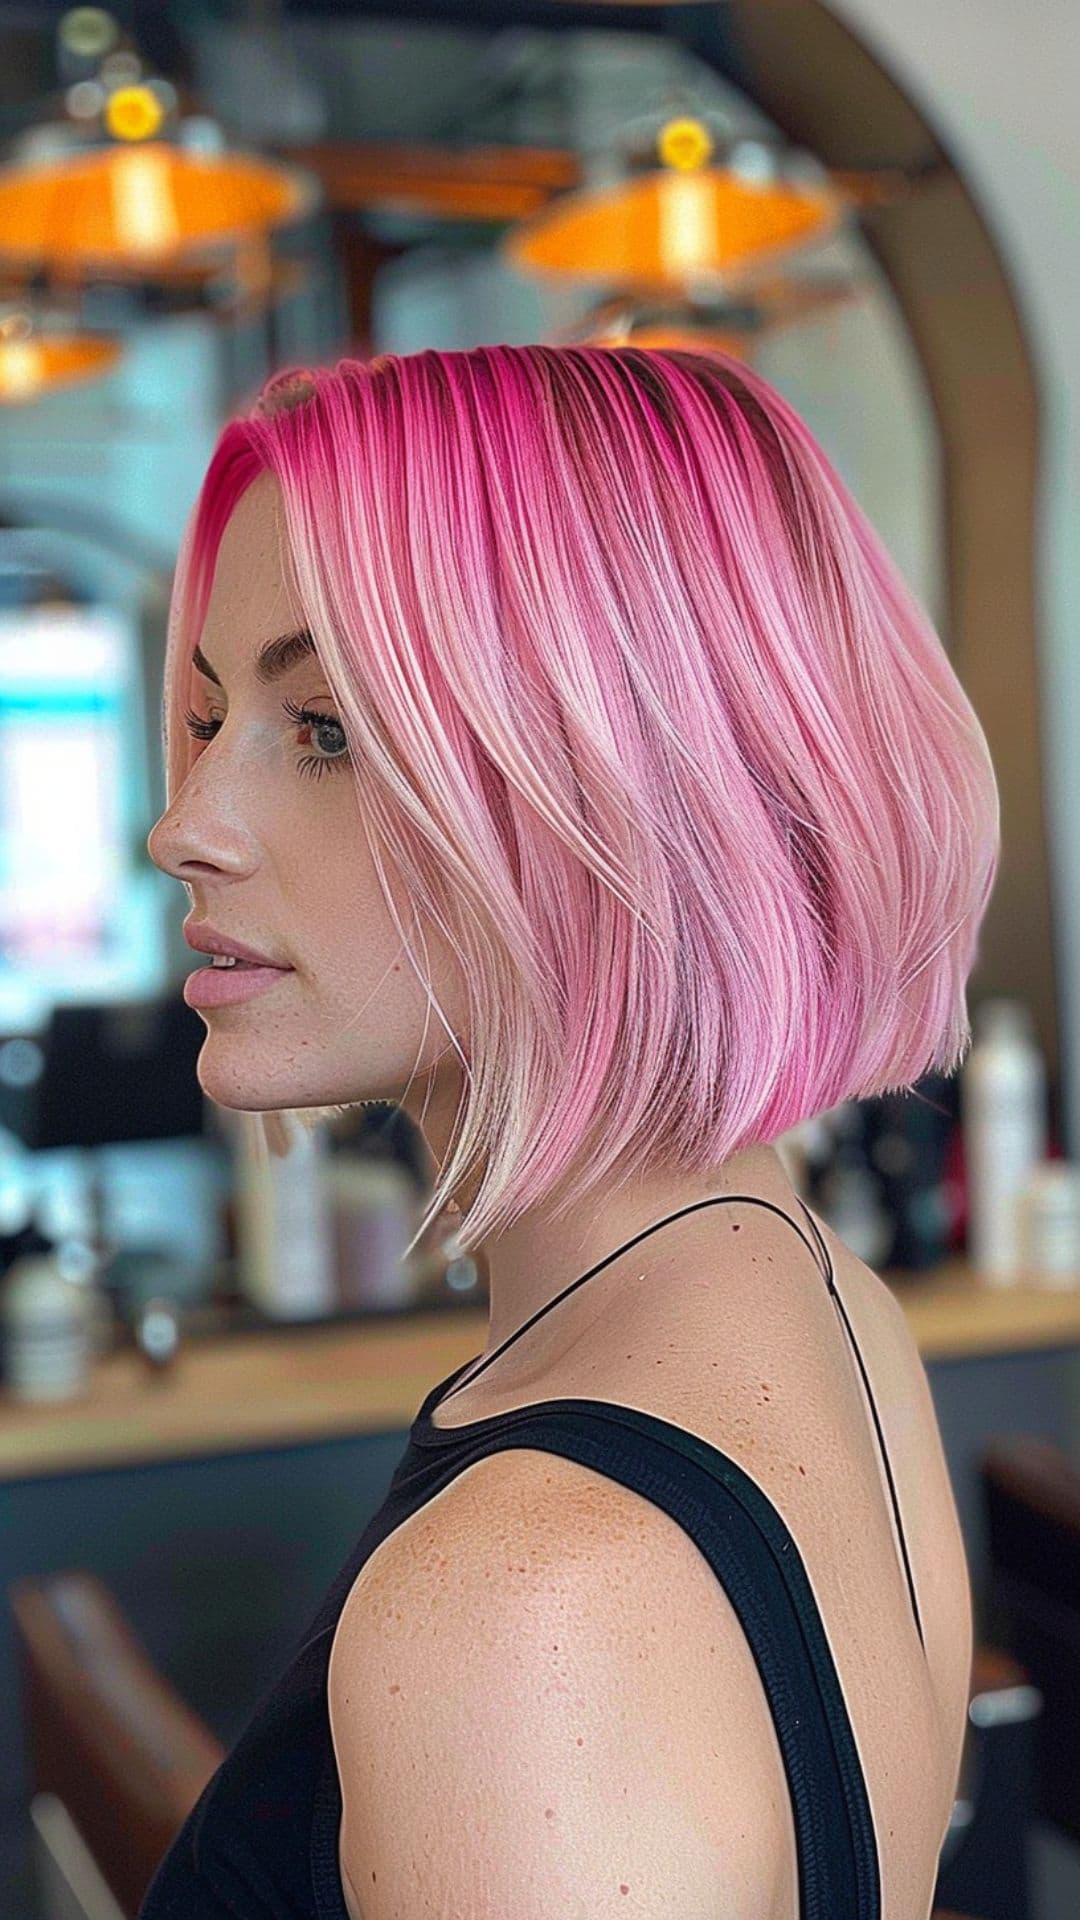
x=276, y=659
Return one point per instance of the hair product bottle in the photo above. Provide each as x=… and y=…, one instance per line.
x=1051, y=1223
x=1003, y=1116
x=285, y=1254
x=49, y=1324
x=373, y=1219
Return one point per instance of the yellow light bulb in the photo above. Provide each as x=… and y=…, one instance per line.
x=133, y=113
x=684, y=144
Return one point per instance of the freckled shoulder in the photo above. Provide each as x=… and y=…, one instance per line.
x=538, y=1686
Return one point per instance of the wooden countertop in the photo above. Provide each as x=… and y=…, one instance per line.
x=283, y=1386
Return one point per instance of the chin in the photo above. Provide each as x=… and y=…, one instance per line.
x=238, y=1085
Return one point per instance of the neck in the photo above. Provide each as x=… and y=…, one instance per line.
x=533, y=1261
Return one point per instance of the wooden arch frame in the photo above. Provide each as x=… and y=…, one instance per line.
x=826, y=91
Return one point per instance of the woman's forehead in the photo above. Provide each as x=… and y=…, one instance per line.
x=252, y=596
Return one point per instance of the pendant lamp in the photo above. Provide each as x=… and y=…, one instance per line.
x=140, y=207
x=683, y=224
x=733, y=326
x=34, y=360
x=137, y=203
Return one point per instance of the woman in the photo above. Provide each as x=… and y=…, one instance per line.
x=630, y=740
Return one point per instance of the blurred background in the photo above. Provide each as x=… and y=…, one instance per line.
x=210, y=1363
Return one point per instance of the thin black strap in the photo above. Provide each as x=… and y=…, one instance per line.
x=717, y=1201
x=830, y=1280
x=842, y=1310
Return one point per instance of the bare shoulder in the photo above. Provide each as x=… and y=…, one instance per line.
x=538, y=1687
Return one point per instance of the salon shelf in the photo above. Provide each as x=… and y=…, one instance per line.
x=955, y=1313
x=275, y=1384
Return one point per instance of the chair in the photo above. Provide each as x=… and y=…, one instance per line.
x=1024, y=1734
x=985, y=1863
x=1031, y=1496
x=68, y=1882
x=117, y=1759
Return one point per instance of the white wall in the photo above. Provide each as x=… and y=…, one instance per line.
x=1000, y=80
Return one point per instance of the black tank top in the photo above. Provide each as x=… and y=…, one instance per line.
x=261, y=1842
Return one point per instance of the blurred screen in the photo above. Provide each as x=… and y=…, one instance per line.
x=66, y=724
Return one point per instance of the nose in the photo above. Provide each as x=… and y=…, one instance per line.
x=195, y=837
x=220, y=809
x=171, y=842
x=155, y=844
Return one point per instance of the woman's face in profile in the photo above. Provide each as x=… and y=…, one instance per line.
x=266, y=836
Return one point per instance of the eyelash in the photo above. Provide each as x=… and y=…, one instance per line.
x=313, y=766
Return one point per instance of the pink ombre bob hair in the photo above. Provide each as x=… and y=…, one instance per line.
x=645, y=717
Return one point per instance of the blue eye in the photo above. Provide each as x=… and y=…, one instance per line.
x=313, y=766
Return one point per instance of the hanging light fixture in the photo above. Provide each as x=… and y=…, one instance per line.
x=734, y=326
x=140, y=207
x=36, y=359
x=683, y=225
x=128, y=192
x=118, y=195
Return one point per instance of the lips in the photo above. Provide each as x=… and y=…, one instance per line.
x=230, y=986
x=206, y=939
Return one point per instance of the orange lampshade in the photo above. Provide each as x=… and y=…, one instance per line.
x=691, y=338
x=659, y=229
x=142, y=204
x=30, y=367
x=735, y=326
